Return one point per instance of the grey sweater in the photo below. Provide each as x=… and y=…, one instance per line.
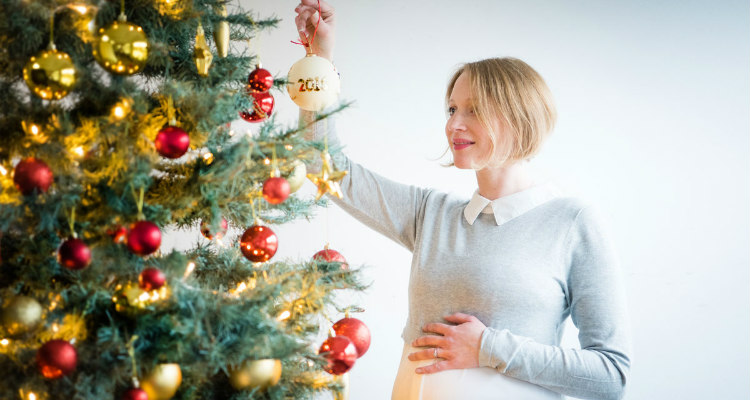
x=522, y=278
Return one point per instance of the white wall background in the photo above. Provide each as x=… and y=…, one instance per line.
x=654, y=104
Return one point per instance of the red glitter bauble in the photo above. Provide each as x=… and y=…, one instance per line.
x=32, y=173
x=144, y=238
x=341, y=354
x=56, y=358
x=260, y=80
x=74, y=254
x=259, y=243
x=135, y=394
x=172, y=142
x=276, y=190
x=355, y=330
x=328, y=255
x=151, y=278
x=262, y=107
x=206, y=230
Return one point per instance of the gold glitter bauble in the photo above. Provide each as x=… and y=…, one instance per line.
x=50, y=74
x=21, y=315
x=255, y=374
x=162, y=383
x=131, y=300
x=121, y=48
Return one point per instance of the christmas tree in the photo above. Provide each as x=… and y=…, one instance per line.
x=115, y=126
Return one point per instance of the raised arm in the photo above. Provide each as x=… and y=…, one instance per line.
x=390, y=208
x=595, y=295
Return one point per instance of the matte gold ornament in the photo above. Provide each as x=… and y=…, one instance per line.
x=297, y=176
x=328, y=180
x=255, y=374
x=131, y=300
x=22, y=314
x=50, y=74
x=202, y=54
x=221, y=32
x=121, y=47
x=162, y=383
x=313, y=83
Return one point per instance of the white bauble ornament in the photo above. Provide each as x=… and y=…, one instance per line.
x=313, y=83
x=296, y=176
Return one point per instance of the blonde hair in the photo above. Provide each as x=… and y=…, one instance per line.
x=509, y=91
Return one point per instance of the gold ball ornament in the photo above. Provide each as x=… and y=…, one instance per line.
x=313, y=83
x=121, y=47
x=255, y=374
x=296, y=177
x=162, y=383
x=130, y=299
x=22, y=314
x=50, y=74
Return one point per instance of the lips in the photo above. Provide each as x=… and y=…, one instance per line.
x=459, y=144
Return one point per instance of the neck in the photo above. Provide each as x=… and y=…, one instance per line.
x=495, y=183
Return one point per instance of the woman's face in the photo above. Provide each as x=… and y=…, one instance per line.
x=467, y=137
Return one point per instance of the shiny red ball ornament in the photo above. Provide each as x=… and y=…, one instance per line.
x=151, y=278
x=260, y=80
x=206, y=230
x=32, y=173
x=276, y=190
x=56, y=358
x=74, y=254
x=172, y=142
x=328, y=255
x=341, y=354
x=262, y=107
x=135, y=394
x=355, y=330
x=144, y=238
x=259, y=243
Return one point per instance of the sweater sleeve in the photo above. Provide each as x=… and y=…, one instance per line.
x=386, y=206
x=596, y=300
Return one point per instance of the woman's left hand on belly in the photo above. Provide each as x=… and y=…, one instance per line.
x=458, y=345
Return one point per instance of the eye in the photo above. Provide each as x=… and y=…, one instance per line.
x=451, y=110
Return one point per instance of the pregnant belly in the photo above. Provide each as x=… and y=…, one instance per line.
x=474, y=384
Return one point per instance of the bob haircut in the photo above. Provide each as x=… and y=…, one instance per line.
x=509, y=94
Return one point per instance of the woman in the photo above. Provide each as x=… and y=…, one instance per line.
x=494, y=278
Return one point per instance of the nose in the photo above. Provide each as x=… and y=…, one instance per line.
x=455, y=124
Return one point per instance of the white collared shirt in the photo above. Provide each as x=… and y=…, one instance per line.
x=508, y=207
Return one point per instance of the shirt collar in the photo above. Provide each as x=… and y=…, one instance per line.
x=508, y=207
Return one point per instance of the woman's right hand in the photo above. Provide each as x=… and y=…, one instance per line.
x=307, y=20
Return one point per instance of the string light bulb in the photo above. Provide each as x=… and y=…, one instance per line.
x=121, y=109
x=284, y=315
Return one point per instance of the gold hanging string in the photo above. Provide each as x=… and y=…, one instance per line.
x=72, y=222
x=274, y=163
x=170, y=112
x=131, y=353
x=51, y=45
x=139, y=201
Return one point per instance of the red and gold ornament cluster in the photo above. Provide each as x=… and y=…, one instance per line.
x=351, y=342
x=259, y=83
